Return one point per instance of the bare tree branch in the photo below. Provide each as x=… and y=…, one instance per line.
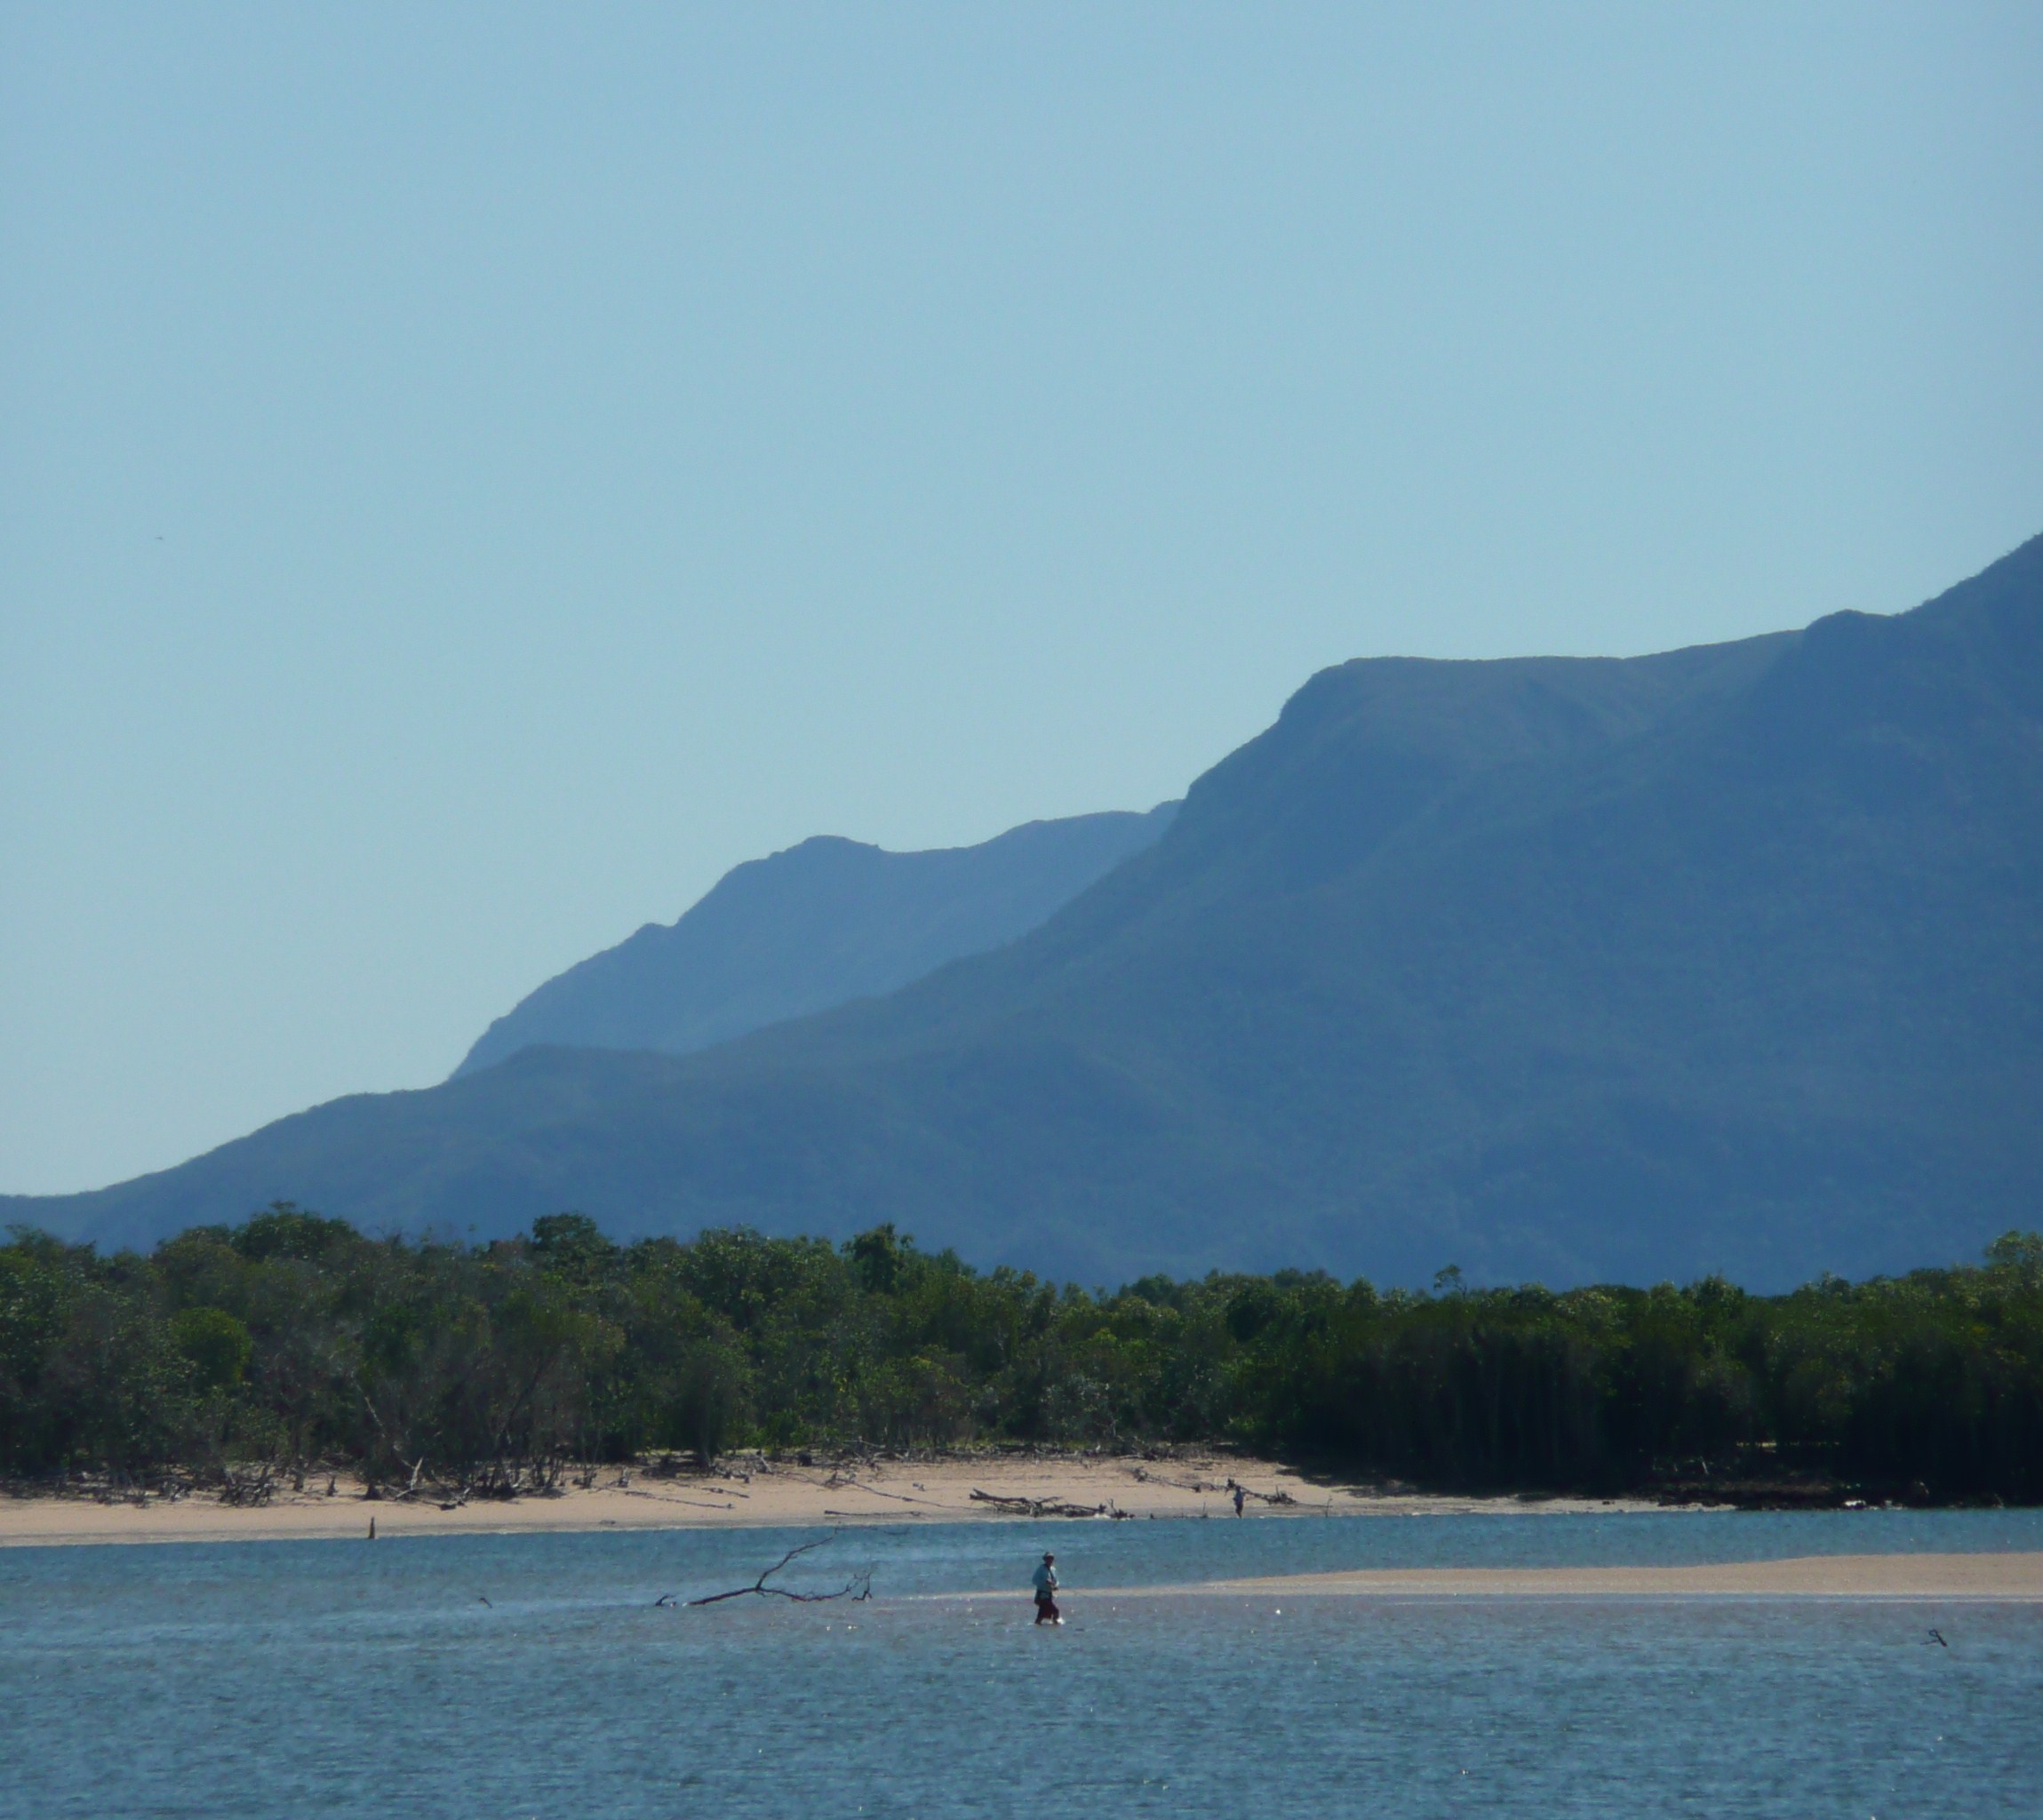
x=858, y=1586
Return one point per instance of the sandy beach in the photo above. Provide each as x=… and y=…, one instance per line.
x=2003, y=1577
x=757, y=1493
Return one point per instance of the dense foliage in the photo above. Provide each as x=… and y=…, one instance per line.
x=294, y=1339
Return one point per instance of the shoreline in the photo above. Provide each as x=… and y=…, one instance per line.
x=763, y=1494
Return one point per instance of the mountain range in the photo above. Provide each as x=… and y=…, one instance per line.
x=816, y=926
x=1729, y=959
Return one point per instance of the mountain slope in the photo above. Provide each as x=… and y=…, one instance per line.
x=815, y=926
x=1726, y=959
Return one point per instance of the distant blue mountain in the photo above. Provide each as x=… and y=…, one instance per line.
x=815, y=926
x=1730, y=959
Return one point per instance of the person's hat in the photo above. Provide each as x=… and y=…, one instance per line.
x=1049, y=1557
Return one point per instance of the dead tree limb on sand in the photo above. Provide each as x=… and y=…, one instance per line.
x=835, y=1483
x=1042, y=1506
x=1280, y=1496
x=858, y=1586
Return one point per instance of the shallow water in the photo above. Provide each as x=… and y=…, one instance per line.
x=259, y=1678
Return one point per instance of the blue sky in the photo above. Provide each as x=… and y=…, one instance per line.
x=470, y=475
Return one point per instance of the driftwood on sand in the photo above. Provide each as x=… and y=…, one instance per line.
x=1047, y=1506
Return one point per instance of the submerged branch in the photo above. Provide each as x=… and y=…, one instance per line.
x=858, y=1586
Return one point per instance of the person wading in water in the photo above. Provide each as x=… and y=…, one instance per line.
x=1045, y=1579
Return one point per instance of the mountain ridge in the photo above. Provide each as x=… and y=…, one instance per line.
x=1568, y=969
x=814, y=925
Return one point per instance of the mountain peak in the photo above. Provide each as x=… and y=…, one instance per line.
x=812, y=926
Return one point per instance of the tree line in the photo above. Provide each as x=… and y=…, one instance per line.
x=299, y=1344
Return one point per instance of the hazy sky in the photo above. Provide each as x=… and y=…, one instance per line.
x=468, y=476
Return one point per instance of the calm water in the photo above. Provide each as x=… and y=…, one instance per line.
x=279, y=1677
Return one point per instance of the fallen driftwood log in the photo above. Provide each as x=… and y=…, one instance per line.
x=836, y=1483
x=1277, y=1497
x=1143, y=1476
x=1045, y=1506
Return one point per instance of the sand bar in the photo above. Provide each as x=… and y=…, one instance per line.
x=763, y=1494
x=757, y=1494
x=1998, y=1576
